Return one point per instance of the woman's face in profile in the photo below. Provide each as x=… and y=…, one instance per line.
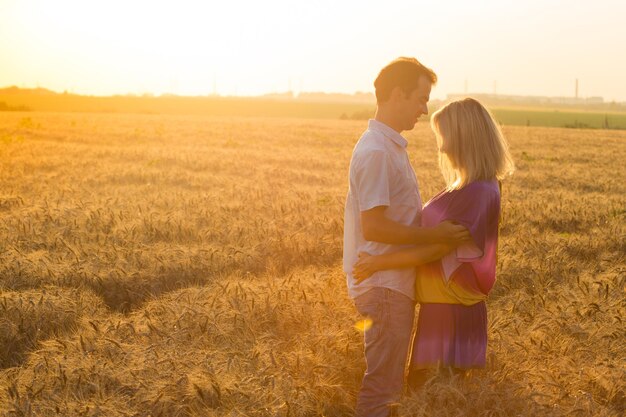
x=444, y=148
x=443, y=144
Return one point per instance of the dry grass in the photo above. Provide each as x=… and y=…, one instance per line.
x=187, y=266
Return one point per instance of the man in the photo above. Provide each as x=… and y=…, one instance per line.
x=382, y=214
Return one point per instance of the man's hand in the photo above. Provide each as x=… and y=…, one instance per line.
x=364, y=267
x=451, y=233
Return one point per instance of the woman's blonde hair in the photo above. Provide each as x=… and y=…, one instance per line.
x=471, y=145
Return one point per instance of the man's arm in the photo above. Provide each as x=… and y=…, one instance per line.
x=406, y=258
x=378, y=228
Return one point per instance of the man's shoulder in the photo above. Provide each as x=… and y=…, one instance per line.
x=371, y=141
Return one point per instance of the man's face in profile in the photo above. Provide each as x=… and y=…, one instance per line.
x=414, y=105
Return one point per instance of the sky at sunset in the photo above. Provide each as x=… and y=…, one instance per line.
x=255, y=47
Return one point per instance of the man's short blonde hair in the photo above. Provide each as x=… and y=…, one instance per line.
x=471, y=144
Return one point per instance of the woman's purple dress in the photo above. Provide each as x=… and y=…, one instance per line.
x=452, y=324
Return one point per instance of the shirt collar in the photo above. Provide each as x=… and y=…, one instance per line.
x=397, y=138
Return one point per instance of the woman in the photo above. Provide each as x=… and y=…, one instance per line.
x=452, y=324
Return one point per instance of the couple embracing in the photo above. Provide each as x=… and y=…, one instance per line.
x=442, y=255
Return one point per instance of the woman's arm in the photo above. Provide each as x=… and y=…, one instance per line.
x=406, y=258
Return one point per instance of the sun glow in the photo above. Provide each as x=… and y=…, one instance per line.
x=140, y=46
x=243, y=47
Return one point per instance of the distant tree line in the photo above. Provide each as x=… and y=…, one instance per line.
x=358, y=115
x=6, y=107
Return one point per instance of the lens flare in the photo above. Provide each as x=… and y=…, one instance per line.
x=363, y=325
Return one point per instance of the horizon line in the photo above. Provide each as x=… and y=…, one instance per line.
x=295, y=94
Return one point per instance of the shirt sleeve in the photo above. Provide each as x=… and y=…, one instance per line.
x=371, y=180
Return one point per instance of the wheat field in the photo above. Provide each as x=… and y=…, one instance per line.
x=191, y=266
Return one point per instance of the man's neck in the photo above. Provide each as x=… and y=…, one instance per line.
x=386, y=118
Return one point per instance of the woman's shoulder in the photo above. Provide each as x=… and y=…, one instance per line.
x=483, y=187
x=477, y=191
x=476, y=194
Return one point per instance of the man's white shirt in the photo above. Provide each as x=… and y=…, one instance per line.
x=380, y=175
